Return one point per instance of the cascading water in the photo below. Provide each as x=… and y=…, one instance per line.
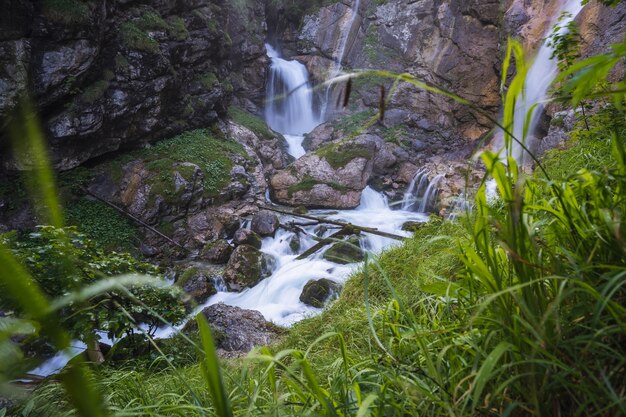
x=339, y=55
x=538, y=81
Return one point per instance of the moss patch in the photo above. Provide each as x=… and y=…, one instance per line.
x=177, y=28
x=134, y=37
x=309, y=182
x=67, y=11
x=338, y=155
x=94, y=92
x=252, y=122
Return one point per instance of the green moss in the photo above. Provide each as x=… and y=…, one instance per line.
x=355, y=123
x=151, y=20
x=208, y=80
x=95, y=92
x=134, y=37
x=186, y=276
x=103, y=224
x=252, y=122
x=67, y=11
x=338, y=155
x=177, y=28
x=121, y=63
x=394, y=134
x=309, y=182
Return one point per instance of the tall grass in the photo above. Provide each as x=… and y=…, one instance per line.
x=521, y=314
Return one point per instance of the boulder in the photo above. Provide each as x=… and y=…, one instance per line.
x=317, y=292
x=265, y=223
x=239, y=330
x=218, y=252
x=198, y=282
x=346, y=252
x=247, y=237
x=331, y=177
x=244, y=269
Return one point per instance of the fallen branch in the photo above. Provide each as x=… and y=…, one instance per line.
x=370, y=230
x=326, y=241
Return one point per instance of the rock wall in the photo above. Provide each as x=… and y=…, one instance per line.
x=111, y=75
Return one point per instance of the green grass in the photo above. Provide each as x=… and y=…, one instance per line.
x=252, y=122
x=177, y=28
x=309, y=182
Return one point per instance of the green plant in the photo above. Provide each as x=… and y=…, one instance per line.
x=177, y=28
x=134, y=37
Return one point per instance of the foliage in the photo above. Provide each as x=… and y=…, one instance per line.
x=103, y=224
x=177, y=28
x=62, y=260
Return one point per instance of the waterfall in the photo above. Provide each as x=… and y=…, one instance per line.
x=289, y=107
x=538, y=81
x=339, y=57
x=421, y=195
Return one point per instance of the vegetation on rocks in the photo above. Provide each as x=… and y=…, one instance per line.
x=252, y=122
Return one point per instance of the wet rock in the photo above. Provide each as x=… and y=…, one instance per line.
x=268, y=265
x=346, y=252
x=244, y=269
x=218, y=252
x=317, y=293
x=265, y=223
x=239, y=330
x=197, y=282
x=294, y=243
x=247, y=237
x=148, y=250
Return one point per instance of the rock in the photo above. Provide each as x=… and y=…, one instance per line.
x=239, y=330
x=412, y=226
x=198, y=282
x=218, y=252
x=244, y=269
x=268, y=265
x=148, y=250
x=265, y=223
x=247, y=237
x=319, y=136
x=317, y=293
x=346, y=252
x=332, y=177
x=294, y=243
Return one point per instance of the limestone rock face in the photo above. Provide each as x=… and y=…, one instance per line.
x=118, y=75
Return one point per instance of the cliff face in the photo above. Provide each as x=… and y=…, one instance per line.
x=109, y=75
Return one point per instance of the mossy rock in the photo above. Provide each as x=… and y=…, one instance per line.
x=247, y=237
x=317, y=292
x=244, y=269
x=346, y=252
x=218, y=252
x=412, y=226
x=197, y=283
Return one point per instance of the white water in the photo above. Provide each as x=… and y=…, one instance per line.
x=277, y=297
x=538, y=81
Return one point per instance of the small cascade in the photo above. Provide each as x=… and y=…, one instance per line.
x=289, y=97
x=421, y=195
x=339, y=56
x=538, y=81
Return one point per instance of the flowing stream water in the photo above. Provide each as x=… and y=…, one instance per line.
x=290, y=112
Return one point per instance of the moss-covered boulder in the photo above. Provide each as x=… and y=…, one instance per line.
x=346, y=252
x=247, y=237
x=217, y=252
x=331, y=177
x=317, y=292
x=198, y=283
x=244, y=269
